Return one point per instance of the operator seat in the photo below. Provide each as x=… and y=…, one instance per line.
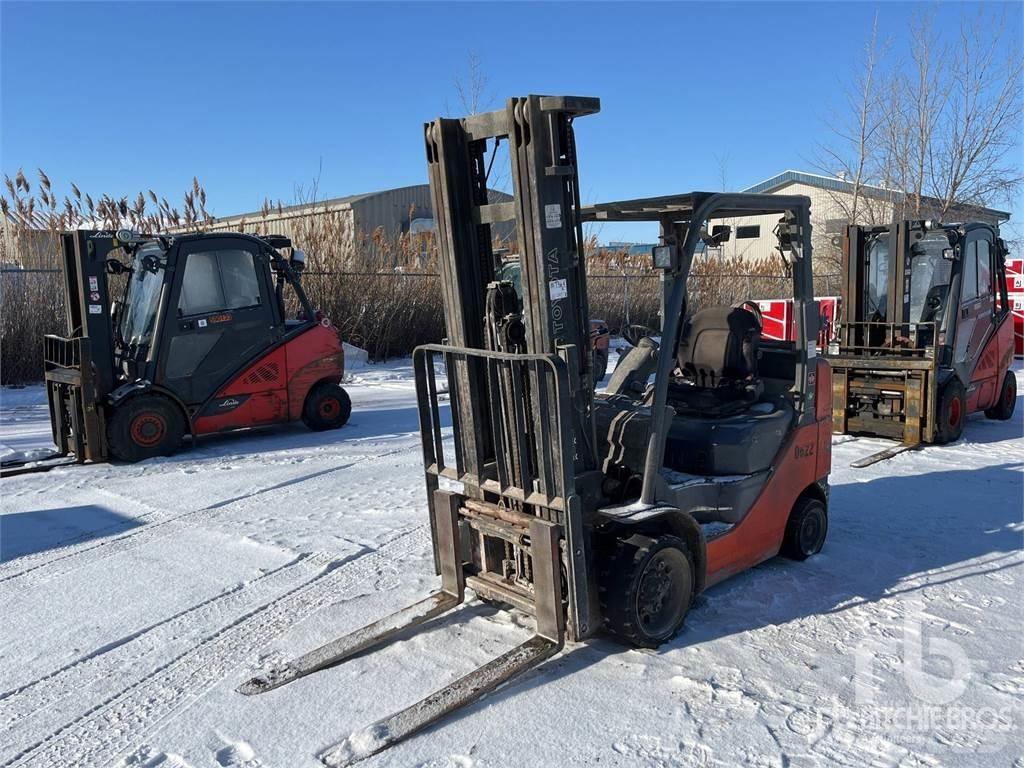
x=724, y=426
x=717, y=357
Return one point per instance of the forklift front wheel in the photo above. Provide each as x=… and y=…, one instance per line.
x=1003, y=410
x=143, y=427
x=647, y=588
x=951, y=412
x=328, y=406
x=805, y=529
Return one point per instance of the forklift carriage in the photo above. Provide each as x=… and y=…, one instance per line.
x=592, y=512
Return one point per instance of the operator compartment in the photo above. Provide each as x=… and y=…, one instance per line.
x=730, y=397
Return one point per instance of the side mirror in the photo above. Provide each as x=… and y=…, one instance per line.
x=720, y=233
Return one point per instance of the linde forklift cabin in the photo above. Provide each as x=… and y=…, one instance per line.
x=926, y=334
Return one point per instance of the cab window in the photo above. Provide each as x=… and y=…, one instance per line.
x=984, y=269
x=238, y=275
x=977, y=271
x=215, y=281
x=969, y=281
x=876, y=290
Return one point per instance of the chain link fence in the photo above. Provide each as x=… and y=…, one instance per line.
x=386, y=313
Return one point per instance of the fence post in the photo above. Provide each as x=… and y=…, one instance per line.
x=625, y=298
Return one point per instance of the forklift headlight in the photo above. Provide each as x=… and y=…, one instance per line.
x=126, y=237
x=298, y=260
x=664, y=256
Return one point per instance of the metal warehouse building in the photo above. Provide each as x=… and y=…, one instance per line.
x=390, y=212
x=831, y=201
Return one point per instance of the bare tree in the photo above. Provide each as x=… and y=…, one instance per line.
x=974, y=159
x=854, y=150
x=471, y=86
x=923, y=101
x=940, y=129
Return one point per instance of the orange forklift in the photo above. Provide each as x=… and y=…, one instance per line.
x=709, y=452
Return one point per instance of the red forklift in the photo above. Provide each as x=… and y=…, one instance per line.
x=199, y=342
x=708, y=453
x=926, y=335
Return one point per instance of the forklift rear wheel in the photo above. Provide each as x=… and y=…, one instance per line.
x=327, y=407
x=805, y=529
x=647, y=588
x=951, y=413
x=144, y=427
x=1003, y=410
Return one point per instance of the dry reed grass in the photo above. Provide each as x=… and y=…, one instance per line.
x=382, y=292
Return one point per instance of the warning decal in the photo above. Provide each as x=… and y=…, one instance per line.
x=553, y=215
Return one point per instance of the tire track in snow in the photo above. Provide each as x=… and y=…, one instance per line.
x=113, y=727
x=60, y=561
x=132, y=656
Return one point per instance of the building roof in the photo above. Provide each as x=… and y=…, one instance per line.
x=842, y=185
x=344, y=203
x=333, y=203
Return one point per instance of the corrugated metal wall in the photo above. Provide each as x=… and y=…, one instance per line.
x=392, y=209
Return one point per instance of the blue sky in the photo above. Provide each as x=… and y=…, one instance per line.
x=256, y=98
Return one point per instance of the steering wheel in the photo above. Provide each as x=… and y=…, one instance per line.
x=753, y=308
x=633, y=333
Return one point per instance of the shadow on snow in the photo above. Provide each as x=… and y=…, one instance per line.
x=25, y=533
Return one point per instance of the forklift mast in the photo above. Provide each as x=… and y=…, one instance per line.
x=545, y=206
x=79, y=367
x=84, y=271
x=519, y=373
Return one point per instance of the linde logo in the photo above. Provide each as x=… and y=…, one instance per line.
x=229, y=403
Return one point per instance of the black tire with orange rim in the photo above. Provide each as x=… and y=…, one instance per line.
x=143, y=427
x=951, y=412
x=327, y=407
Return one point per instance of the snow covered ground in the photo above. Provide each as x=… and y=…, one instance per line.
x=136, y=598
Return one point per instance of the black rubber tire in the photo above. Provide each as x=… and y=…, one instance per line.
x=600, y=365
x=634, y=573
x=327, y=406
x=143, y=427
x=1003, y=410
x=951, y=412
x=805, y=530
